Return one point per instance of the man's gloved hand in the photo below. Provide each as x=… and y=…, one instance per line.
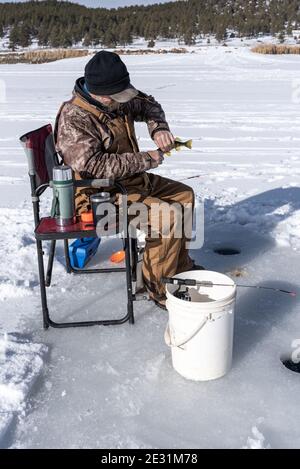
x=164, y=140
x=157, y=157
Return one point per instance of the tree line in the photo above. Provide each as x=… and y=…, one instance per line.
x=55, y=23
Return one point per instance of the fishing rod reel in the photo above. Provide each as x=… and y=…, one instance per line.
x=186, y=282
x=184, y=294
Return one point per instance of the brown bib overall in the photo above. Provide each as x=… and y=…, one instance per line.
x=164, y=256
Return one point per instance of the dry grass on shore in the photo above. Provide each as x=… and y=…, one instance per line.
x=50, y=55
x=41, y=56
x=276, y=49
x=175, y=50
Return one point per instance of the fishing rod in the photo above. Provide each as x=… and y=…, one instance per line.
x=192, y=177
x=207, y=284
x=178, y=145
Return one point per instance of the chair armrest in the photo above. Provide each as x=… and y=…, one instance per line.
x=39, y=190
x=99, y=183
x=96, y=183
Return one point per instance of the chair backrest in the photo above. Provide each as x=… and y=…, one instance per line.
x=41, y=154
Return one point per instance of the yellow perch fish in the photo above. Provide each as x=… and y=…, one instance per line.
x=179, y=144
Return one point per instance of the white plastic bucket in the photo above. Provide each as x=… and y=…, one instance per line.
x=200, y=332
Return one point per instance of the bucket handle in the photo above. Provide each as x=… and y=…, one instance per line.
x=168, y=338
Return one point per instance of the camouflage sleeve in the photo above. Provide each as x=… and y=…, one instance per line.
x=82, y=149
x=144, y=108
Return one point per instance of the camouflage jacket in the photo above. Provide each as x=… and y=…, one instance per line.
x=87, y=143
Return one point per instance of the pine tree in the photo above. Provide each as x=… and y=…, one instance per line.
x=87, y=40
x=14, y=37
x=124, y=34
x=24, y=35
x=189, y=39
x=281, y=37
x=221, y=32
x=55, y=38
x=43, y=36
x=109, y=39
x=59, y=22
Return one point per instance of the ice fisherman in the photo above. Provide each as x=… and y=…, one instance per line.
x=95, y=135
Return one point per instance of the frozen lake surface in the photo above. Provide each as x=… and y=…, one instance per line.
x=115, y=387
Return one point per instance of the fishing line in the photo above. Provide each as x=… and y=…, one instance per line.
x=207, y=284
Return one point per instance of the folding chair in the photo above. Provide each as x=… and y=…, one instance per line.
x=42, y=157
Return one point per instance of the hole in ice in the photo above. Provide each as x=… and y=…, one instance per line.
x=227, y=251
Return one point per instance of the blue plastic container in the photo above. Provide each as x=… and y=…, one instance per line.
x=82, y=250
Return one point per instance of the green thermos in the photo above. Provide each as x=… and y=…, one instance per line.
x=63, y=207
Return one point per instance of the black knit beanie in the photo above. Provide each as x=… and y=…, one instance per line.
x=106, y=74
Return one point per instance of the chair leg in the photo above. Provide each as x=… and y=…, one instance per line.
x=50, y=263
x=46, y=317
x=40, y=254
x=130, y=311
x=134, y=257
x=67, y=257
x=47, y=321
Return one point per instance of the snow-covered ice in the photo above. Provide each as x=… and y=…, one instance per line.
x=20, y=363
x=256, y=441
x=115, y=387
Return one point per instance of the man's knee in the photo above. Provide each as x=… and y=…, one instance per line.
x=188, y=195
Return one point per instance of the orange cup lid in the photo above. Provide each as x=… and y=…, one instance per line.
x=87, y=217
x=117, y=257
